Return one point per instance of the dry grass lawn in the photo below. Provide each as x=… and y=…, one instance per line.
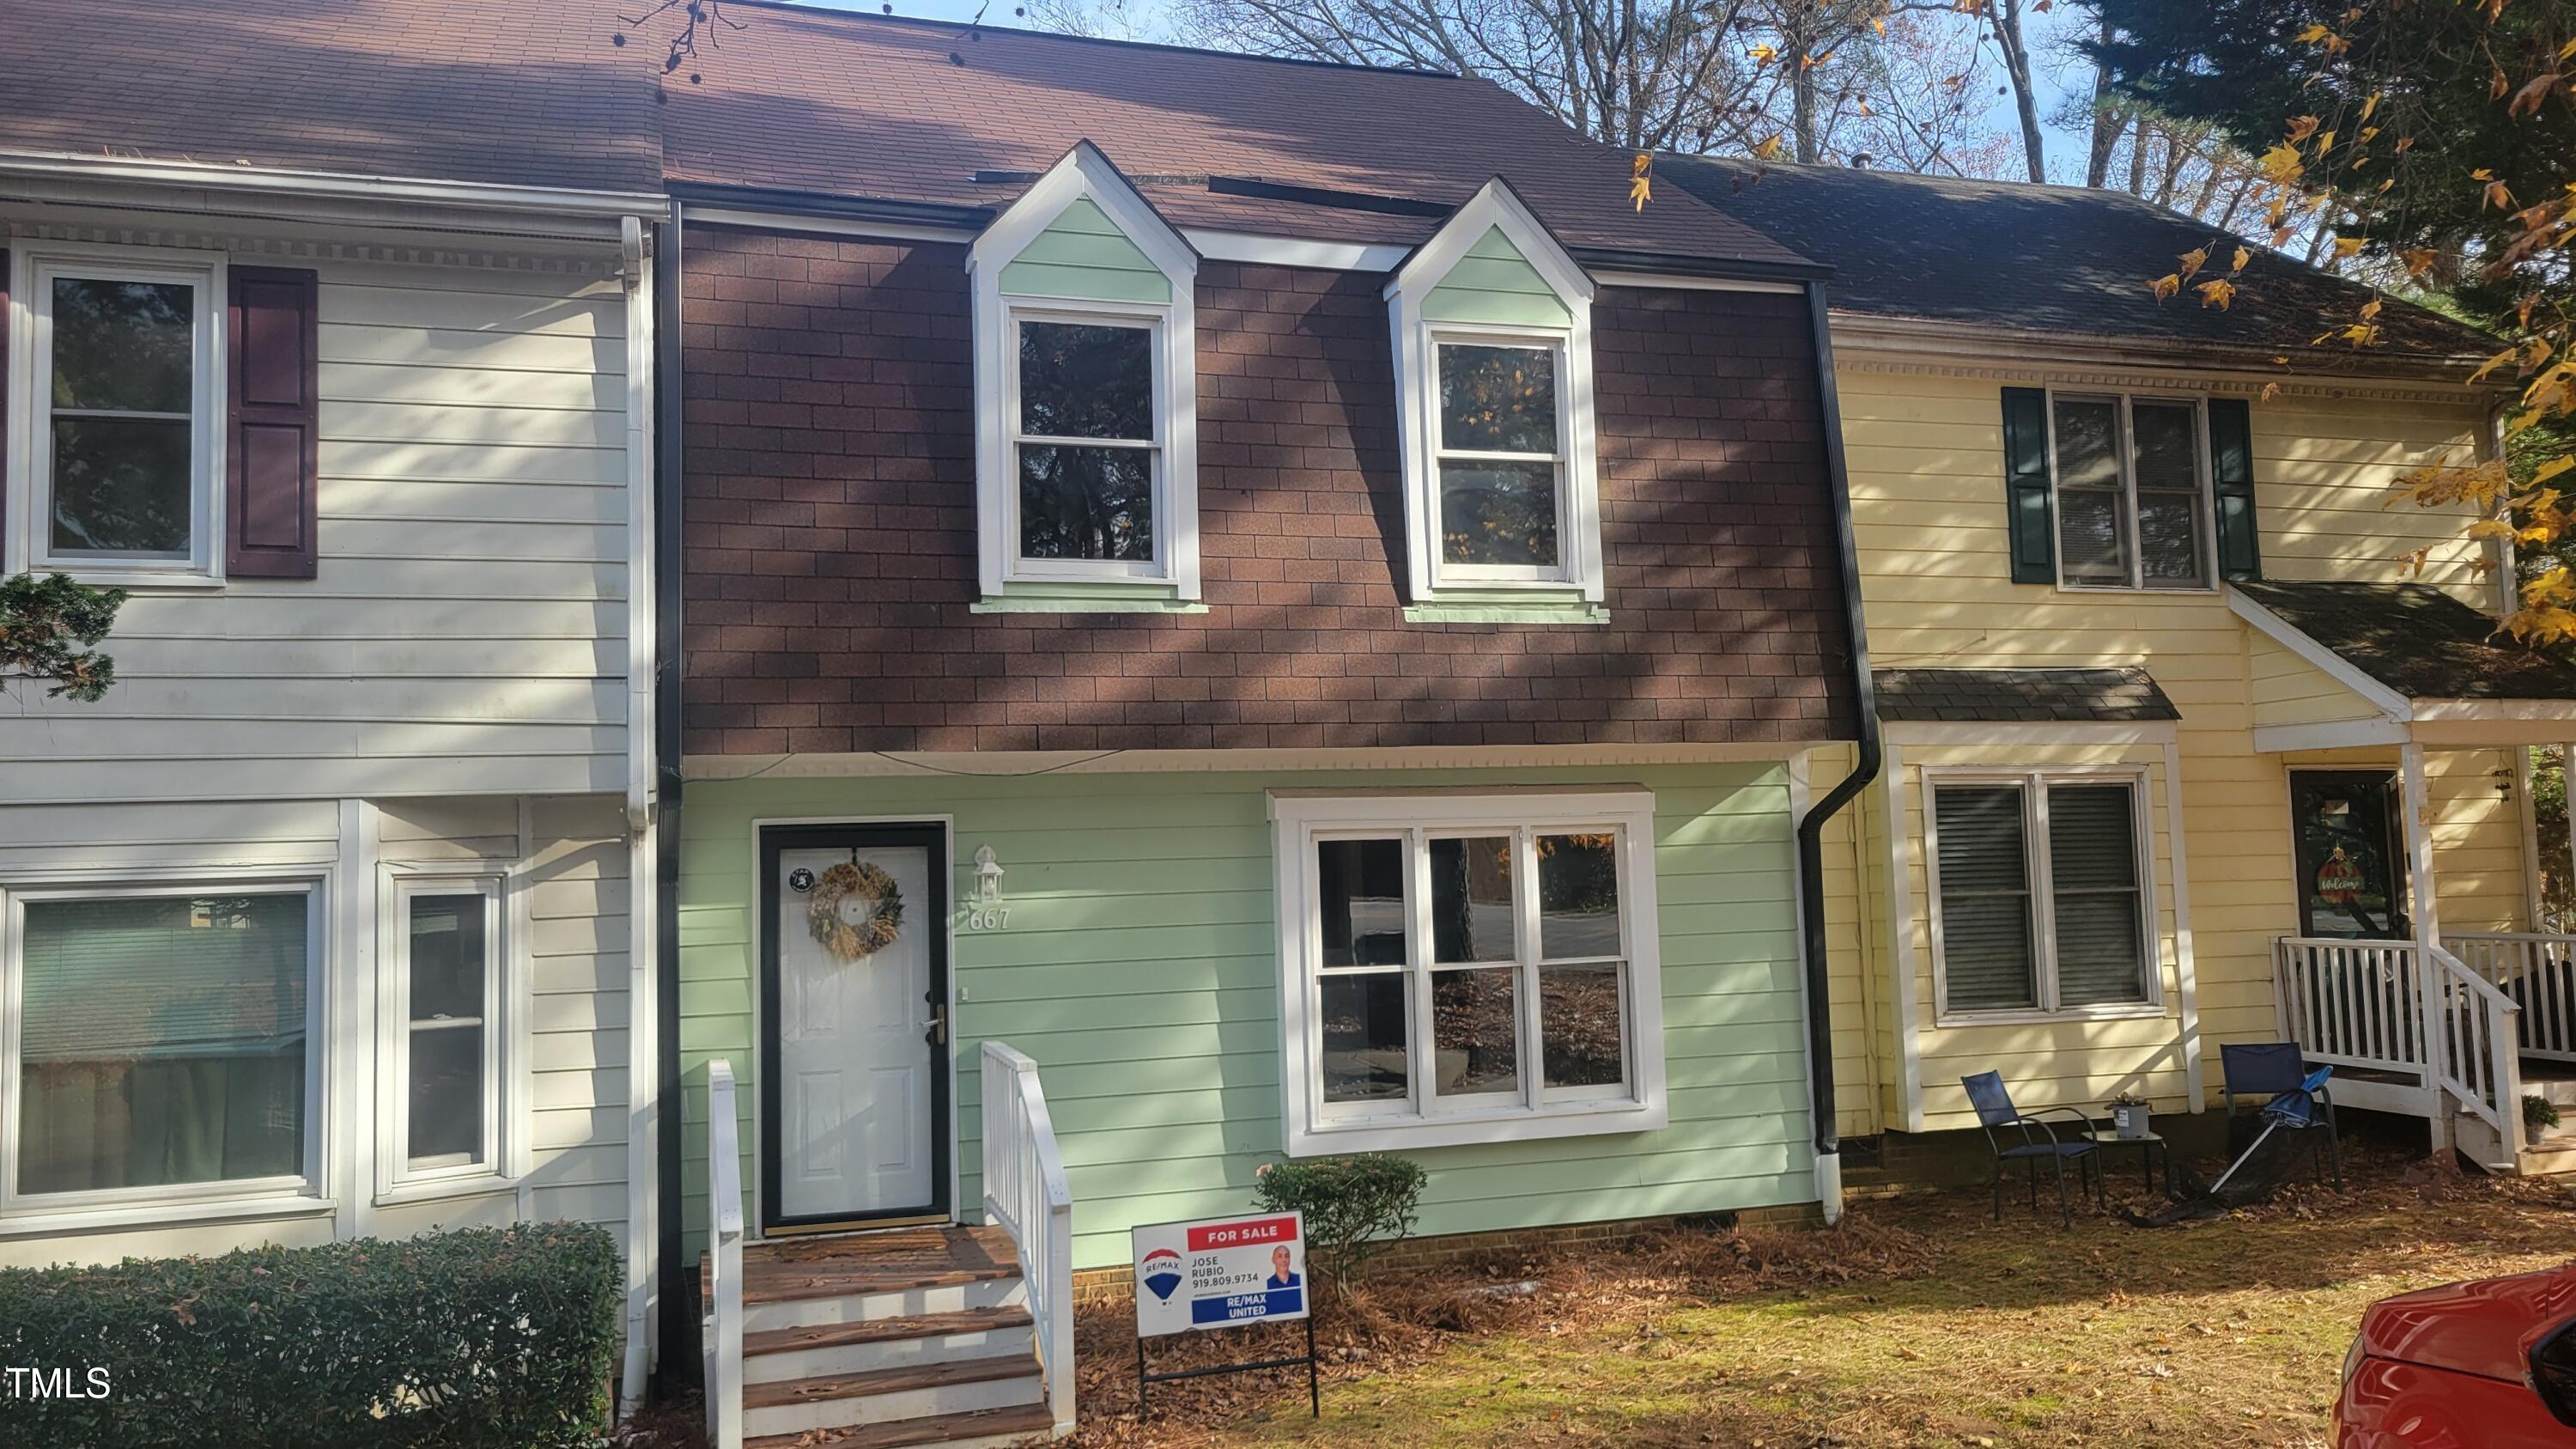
x=1917, y=1323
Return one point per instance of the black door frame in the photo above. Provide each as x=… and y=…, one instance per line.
x=2401, y=898
x=931, y=917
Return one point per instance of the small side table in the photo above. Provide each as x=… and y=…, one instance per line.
x=2150, y=1147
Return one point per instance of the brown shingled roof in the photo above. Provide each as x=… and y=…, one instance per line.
x=2416, y=639
x=2096, y=696
x=864, y=106
x=527, y=92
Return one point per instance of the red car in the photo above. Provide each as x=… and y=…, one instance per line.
x=2484, y=1365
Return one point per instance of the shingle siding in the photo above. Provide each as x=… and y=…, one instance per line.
x=831, y=534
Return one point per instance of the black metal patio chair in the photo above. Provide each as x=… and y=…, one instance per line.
x=2260, y=1071
x=1996, y=1112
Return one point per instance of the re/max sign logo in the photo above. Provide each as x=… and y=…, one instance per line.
x=19, y=1382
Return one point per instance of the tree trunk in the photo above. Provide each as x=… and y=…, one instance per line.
x=2108, y=123
x=1802, y=111
x=2007, y=29
x=2140, y=135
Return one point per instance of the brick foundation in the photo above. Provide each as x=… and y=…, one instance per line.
x=1106, y=1285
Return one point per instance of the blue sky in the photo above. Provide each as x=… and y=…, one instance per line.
x=2056, y=77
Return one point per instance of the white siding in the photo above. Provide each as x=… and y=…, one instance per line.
x=467, y=628
x=571, y=882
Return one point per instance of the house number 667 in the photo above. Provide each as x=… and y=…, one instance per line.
x=988, y=918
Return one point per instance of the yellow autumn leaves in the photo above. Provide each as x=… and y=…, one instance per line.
x=2216, y=292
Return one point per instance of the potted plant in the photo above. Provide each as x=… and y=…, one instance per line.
x=2129, y=1116
x=2539, y=1114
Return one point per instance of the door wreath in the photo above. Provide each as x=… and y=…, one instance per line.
x=855, y=910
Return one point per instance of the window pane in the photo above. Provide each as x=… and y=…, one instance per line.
x=2169, y=537
x=1090, y=503
x=1475, y=1042
x=2168, y=446
x=2091, y=537
x=1498, y=399
x=1080, y=380
x=126, y=347
x=2088, y=444
x=1498, y=513
x=1363, y=1033
x=121, y=485
x=1582, y=1036
x=447, y=957
x=2093, y=866
x=1578, y=896
x=1361, y=885
x=162, y=1041
x=447, y=1093
x=1987, y=957
x=1471, y=899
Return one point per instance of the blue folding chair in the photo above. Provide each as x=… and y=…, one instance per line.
x=1995, y=1112
x=2261, y=1072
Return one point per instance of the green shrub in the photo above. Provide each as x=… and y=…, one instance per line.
x=1354, y=1207
x=2539, y=1114
x=491, y=1338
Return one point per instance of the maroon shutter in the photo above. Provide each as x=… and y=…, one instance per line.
x=272, y=433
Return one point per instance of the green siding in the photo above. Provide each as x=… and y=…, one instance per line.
x=1083, y=255
x=1140, y=970
x=1494, y=283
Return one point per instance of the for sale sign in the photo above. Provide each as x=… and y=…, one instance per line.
x=1220, y=1273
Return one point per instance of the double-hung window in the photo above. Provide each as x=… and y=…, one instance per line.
x=1468, y=968
x=1500, y=453
x=1086, y=400
x=2042, y=895
x=159, y=1045
x=1492, y=336
x=447, y=1036
x=1087, y=445
x=121, y=397
x=2132, y=492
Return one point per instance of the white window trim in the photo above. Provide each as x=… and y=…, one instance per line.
x=2033, y=783
x=1557, y=345
x=1084, y=172
x=2204, y=510
x=28, y=466
x=190, y=1202
x=1299, y=821
x=1416, y=343
x=507, y=1106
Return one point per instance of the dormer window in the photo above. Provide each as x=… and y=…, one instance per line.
x=1087, y=441
x=1493, y=354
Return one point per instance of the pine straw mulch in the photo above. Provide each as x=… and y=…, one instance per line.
x=1917, y=1322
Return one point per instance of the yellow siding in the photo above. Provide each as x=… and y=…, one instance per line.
x=2287, y=690
x=1927, y=467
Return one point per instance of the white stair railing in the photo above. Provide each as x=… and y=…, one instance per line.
x=2538, y=972
x=723, y=1287
x=1026, y=1194
x=2353, y=1003
x=2481, y=1064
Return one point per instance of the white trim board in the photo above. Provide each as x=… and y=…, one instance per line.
x=1007, y=763
x=2028, y=732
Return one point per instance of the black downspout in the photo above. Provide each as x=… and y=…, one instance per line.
x=1811, y=828
x=678, y=1363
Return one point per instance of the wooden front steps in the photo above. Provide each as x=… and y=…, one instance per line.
x=915, y=1336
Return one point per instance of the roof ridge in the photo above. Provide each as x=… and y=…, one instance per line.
x=796, y=7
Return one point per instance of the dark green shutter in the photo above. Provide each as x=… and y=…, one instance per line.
x=2034, y=532
x=2231, y=467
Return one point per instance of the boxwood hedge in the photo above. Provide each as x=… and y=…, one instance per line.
x=489, y=1338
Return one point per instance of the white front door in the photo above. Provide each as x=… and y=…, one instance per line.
x=856, y=1023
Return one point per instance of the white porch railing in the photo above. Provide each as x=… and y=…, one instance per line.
x=723, y=1285
x=1025, y=1192
x=2538, y=973
x=2363, y=1004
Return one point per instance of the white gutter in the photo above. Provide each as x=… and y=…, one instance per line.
x=643, y=1075
x=331, y=185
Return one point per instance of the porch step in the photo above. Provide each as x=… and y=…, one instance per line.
x=890, y=1395
x=2549, y=1157
x=811, y=1350
x=978, y=1429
